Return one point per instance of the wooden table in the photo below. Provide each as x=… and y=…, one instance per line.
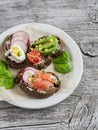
x=79, y=18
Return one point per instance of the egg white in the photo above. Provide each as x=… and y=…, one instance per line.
x=18, y=58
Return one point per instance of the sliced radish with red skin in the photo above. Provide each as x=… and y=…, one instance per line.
x=21, y=45
x=28, y=42
x=21, y=33
x=25, y=37
x=27, y=74
x=30, y=68
x=19, y=38
x=18, y=41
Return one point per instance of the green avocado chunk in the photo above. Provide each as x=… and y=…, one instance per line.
x=6, y=77
x=63, y=68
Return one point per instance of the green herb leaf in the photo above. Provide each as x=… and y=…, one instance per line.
x=63, y=68
x=63, y=58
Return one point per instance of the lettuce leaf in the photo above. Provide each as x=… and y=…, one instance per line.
x=6, y=77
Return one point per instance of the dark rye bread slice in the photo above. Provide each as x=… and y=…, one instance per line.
x=33, y=92
x=6, y=47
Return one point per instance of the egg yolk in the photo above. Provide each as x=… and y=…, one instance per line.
x=16, y=51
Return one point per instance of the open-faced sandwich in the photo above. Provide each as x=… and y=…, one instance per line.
x=48, y=45
x=42, y=50
x=38, y=83
x=15, y=49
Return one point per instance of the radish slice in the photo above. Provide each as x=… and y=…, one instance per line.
x=19, y=38
x=27, y=74
x=21, y=33
x=21, y=45
x=30, y=68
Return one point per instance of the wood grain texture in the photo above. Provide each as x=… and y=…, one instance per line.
x=79, y=18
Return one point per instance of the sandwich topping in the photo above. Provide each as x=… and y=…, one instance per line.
x=34, y=56
x=18, y=47
x=46, y=45
x=17, y=53
x=38, y=79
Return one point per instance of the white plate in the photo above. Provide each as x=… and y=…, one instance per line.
x=69, y=81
